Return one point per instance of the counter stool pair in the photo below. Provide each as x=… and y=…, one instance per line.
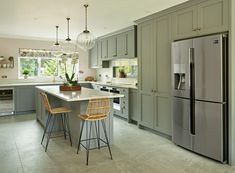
x=97, y=111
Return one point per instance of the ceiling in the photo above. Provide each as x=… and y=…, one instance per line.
x=36, y=19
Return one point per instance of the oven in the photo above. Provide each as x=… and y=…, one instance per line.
x=7, y=106
x=116, y=101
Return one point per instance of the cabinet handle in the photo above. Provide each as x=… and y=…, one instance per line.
x=114, y=55
x=199, y=29
x=195, y=29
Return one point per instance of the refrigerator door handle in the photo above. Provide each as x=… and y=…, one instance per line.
x=192, y=91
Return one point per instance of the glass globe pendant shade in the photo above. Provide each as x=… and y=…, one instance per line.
x=69, y=48
x=86, y=40
x=56, y=50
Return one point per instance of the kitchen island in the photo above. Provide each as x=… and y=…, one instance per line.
x=77, y=101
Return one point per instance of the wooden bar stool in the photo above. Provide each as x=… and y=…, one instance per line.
x=52, y=113
x=97, y=111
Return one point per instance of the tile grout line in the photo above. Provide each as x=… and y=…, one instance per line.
x=19, y=156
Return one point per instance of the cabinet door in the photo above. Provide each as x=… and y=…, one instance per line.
x=163, y=119
x=133, y=105
x=130, y=44
x=93, y=57
x=213, y=16
x=185, y=23
x=121, y=45
x=99, y=53
x=112, y=47
x=145, y=77
x=163, y=55
x=104, y=49
x=25, y=99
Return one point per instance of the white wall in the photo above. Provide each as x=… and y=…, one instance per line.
x=10, y=47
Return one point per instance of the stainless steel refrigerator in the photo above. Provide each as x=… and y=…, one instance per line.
x=199, y=90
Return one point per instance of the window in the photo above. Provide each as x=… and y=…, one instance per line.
x=40, y=63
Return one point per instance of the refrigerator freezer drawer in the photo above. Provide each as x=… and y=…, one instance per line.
x=181, y=126
x=208, y=139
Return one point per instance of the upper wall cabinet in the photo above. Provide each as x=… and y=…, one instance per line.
x=120, y=44
x=205, y=18
x=112, y=47
x=126, y=44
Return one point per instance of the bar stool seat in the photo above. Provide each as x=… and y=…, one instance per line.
x=97, y=111
x=59, y=110
x=52, y=114
x=93, y=118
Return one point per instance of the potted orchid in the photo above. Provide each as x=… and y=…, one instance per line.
x=70, y=82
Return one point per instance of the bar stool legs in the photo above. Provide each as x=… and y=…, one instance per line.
x=105, y=133
x=49, y=128
x=88, y=137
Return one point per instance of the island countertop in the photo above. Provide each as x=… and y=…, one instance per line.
x=72, y=96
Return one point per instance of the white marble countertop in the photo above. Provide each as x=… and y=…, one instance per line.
x=71, y=96
x=121, y=85
x=28, y=84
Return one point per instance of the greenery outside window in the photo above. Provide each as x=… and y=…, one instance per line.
x=41, y=63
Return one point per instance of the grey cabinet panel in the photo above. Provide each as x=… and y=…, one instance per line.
x=112, y=47
x=126, y=44
x=121, y=45
x=163, y=115
x=154, y=47
x=25, y=99
x=213, y=16
x=104, y=49
x=207, y=17
x=133, y=105
x=93, y=57
x=146, y=60
x=147, y=112
x=185, y=23
x=163, y=45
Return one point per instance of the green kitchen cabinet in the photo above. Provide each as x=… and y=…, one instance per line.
x=204, y=18
x=126, y=44
x=25, y=99
x=112, y=47
x=154, y=63
x=93, y=57
x=104, y=49
x=146, y=62
x=133, y=114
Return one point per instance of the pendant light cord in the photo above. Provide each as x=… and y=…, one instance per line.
x=86, y=5
x=57, y=43
x=68, y=39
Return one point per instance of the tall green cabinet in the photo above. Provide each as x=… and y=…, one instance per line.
x=154, y=47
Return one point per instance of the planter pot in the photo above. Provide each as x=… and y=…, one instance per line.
x=25, y=76
x=70, y=88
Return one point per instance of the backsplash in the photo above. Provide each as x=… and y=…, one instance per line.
x=106, y=74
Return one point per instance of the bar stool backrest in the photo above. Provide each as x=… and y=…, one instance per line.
x=46, y=102
x=98, y=107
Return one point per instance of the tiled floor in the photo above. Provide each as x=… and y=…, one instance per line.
x=134, y=150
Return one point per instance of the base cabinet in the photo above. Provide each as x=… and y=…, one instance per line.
x=25, y=99
x=133, y=114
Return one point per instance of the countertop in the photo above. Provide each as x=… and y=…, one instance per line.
x=121, y=85
x=28, y=84
x=84, y=94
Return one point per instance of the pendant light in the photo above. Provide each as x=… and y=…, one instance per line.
x=86, y=40
x=68, y=47
x=56, y=49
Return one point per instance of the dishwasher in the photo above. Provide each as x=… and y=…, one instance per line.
x=7, y=106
